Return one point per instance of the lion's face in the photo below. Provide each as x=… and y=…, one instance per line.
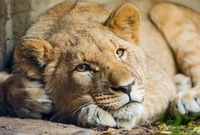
x=94, y=66
x=89, y=63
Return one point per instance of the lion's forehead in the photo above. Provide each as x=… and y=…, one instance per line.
x=87, y=35
x=91, y=54
x=90, y=48
x=88, y=43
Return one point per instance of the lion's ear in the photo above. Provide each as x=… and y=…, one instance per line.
x=124, y=21
x=32, y=55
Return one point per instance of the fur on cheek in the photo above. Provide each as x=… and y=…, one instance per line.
x=82, y=78
x=128, y=112
x=128, y=116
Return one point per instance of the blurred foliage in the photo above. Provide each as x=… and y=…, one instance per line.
x=166, y=126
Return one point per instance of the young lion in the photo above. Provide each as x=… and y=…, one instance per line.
x=88, y=66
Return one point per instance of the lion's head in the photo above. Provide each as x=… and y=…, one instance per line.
x=88, y=62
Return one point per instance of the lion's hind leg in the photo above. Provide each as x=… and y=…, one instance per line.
x=179, y=26
x=182, y=35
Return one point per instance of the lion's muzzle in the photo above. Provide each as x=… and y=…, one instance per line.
x=126, y=89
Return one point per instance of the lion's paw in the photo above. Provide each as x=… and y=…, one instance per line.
x=92, y=115
x=28, y=98
x=186, y=103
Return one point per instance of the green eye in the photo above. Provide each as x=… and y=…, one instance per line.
x=82, y=68
x=120, y=52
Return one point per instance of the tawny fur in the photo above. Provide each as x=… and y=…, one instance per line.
x=116, y=90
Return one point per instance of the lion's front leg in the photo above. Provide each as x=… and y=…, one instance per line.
x=92, y=115
x=5, y=109
x=129, y=116
x=25, y=97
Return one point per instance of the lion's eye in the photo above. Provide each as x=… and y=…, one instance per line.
x=82, y=68
x=120, y=52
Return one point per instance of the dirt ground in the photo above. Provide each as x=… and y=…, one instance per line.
x=16, y=126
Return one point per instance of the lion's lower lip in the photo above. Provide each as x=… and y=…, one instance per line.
x=127, y=104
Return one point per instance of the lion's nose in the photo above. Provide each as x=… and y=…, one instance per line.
x=126, y=89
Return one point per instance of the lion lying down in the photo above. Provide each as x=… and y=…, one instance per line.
x=90, y=68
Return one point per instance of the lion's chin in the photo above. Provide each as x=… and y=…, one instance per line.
x=128, y=111
x=128, y=115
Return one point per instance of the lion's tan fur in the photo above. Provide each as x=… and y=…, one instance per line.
x=71, y=34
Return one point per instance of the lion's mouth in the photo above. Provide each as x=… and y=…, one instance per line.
x=117, y=99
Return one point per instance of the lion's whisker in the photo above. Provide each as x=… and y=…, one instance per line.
x=54, y=116
x=78, y=108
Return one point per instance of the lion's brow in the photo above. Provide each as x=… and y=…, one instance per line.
x=113, y=42
x=94, y=41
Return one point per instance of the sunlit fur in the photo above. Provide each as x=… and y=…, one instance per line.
x=71, y=34
x=180, y=26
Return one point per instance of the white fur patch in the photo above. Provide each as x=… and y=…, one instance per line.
x=137, y=95
x=127, y=116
